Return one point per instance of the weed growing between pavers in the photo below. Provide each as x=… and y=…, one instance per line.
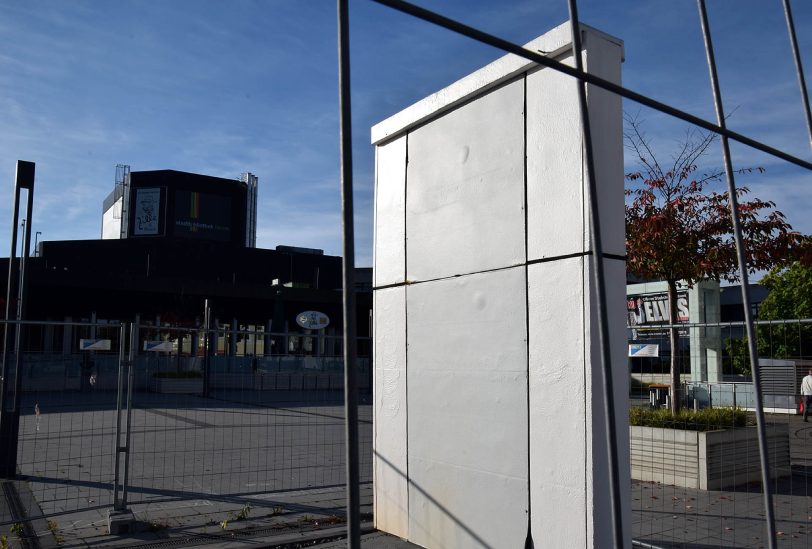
x=53, y=527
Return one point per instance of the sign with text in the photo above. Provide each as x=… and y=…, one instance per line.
x=94, y=344
x=146, y=211
x=201, y=215
x=312, y=320
x=644, y=350
x=158, y=346
x=651, y=310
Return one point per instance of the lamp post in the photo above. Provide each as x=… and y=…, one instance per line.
x=15, y=293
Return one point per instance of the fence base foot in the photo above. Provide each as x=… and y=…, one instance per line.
x=119, y=522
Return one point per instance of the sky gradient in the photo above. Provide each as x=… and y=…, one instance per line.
x=221, y=88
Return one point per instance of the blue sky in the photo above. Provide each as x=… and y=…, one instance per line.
x=225, y=87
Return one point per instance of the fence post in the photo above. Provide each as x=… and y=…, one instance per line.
x=119, y=519
x=207, y=348
x=130, y=383
x=10, y=394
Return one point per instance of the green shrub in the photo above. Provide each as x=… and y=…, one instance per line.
x=707, y=419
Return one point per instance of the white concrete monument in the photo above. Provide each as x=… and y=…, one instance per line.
x=488, y=423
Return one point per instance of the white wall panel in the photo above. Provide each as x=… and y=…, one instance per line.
x=390, y=213
x=465, y=204
x=603, y=58
x=111, y=221
x=554, y=42
x=569, y=472
x=468, y=410
x=558, y=402
x=390, y=414
x=598, y=523
x=478, y=313
x=555, y=189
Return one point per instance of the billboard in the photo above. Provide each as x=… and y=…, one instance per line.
x=146, y=211
x=650, y=311
x=202, y=215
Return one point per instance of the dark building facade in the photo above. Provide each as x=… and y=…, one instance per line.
x=184, y=245
x=169, y=203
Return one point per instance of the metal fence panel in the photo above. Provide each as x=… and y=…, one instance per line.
x=695, y=487
x=261, y=425
x=66, y=438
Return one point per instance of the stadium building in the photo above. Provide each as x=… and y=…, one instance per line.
x=173, y=242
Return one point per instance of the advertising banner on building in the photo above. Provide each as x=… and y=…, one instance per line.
x=146, y=212
x=646, y=312
x=201, y=215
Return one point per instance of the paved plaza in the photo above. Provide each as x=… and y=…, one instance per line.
x=267, y=470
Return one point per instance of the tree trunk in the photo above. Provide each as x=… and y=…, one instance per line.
x=673, y=337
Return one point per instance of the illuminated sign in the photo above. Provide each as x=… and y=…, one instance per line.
x=201, y=215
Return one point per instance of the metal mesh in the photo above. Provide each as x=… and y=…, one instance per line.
x=697, y=484
x=209, y=436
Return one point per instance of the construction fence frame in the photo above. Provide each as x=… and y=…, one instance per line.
x=88, y=420
x=583, y=78
x=699, y=483
x=153, y=414
x=98, y=430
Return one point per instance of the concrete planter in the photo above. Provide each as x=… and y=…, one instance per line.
x=185, y=386
x=710, y=460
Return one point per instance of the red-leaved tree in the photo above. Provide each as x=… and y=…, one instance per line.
x=680, y=230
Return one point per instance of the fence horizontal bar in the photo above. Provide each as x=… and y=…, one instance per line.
x=60, y=323
x=499, y=43
x=178, y=329
x=739, y=324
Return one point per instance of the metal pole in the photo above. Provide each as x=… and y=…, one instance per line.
x=600, y=291
x=9, y=410
x=21, y=305
x=117, y=449
x=350, y=374
x=207, y=345
x=11, y=288
x=130, y=376
x=799, y=68
x=748, y=318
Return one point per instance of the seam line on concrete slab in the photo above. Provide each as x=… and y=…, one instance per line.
x=550, y=259
x=406, y=326
x=574, y=255
x=529, y=536
x=450, y=277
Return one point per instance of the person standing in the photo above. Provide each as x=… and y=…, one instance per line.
x=806, y=391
